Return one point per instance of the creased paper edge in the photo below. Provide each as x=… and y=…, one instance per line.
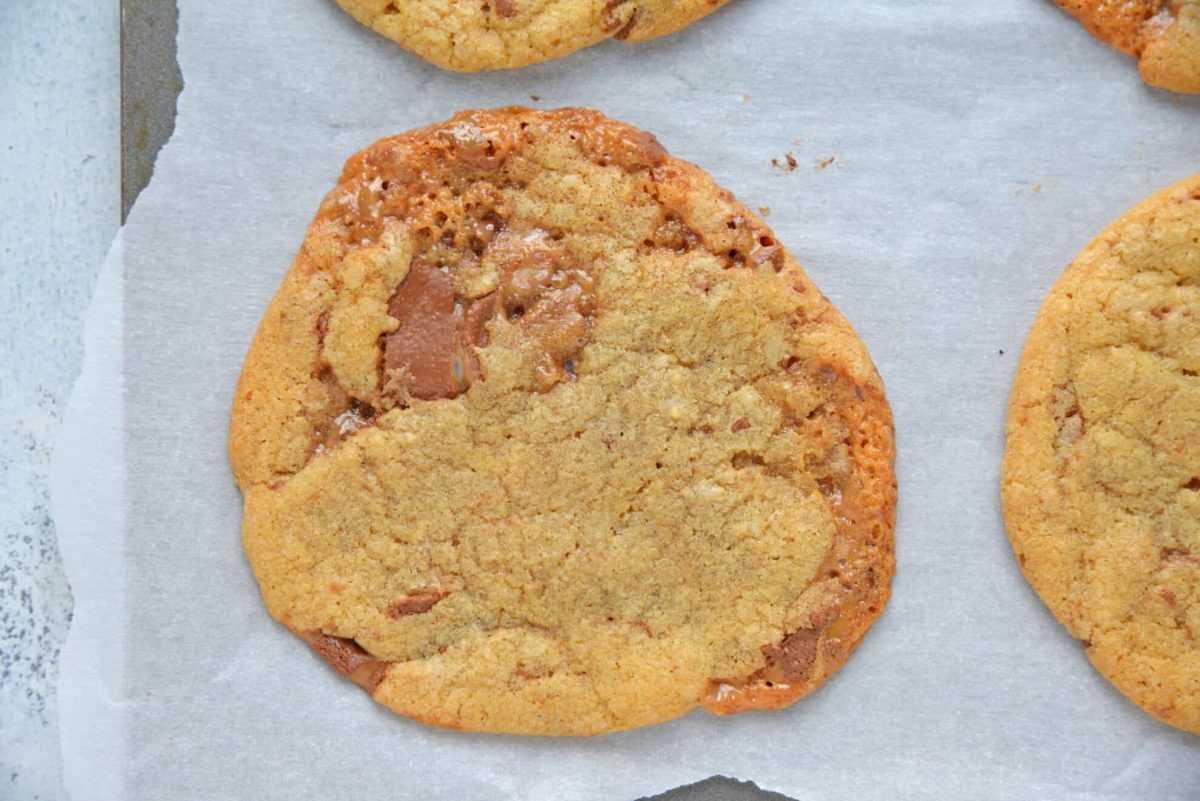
x=87, y=472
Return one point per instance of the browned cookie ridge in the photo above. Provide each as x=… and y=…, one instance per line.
x=1164, y=35
x=546, y=433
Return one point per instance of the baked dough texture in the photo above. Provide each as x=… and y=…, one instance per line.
x=473, y=35
x=1163, y=35
x=546, y=433
x=1101, y=477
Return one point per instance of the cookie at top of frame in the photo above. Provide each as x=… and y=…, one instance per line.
x=473, y=35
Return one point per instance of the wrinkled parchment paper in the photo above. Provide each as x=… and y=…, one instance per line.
x=970, y=149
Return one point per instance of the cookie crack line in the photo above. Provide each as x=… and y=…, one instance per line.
x=362, y=415
x=537, y=385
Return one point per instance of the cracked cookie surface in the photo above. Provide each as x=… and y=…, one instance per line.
x=473, y=35
x=1163, y=35
x=1101, y=478
x=545, y=433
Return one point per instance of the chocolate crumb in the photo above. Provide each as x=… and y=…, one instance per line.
x=794, y=657
x=348, y=658
x=417, y=602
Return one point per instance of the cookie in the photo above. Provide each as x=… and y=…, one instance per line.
x=546, y=433
x=475, y=35
x=1163, y=35
x=1101, y=478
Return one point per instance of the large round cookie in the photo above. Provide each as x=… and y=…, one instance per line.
x=546, y=433
x=1101, y=480
x=1164, y=35
x=472, y=35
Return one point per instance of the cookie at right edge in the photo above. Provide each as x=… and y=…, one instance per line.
x=1163, y=35
x=1101, y=477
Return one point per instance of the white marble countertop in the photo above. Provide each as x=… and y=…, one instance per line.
x=60, y=188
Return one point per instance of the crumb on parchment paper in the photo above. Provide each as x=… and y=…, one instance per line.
x=788, y=164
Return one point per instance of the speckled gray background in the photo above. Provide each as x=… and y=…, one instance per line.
x=59, y=173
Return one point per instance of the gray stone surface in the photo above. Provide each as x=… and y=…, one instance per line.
x=59, y=174
x=150, y=83
x=719, y=788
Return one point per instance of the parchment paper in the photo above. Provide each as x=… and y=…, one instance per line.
x=977, y=147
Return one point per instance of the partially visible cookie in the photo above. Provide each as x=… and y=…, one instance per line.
x=1164, y=35
x=1101, y=478
x=473, y=35
x=546, y=433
